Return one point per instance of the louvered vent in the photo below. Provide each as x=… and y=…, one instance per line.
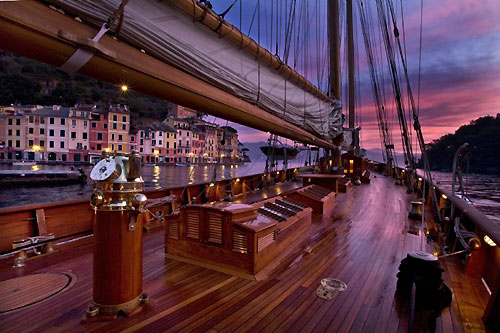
x=265, y=241
x=173, y=230
x=193, y=225
x=240, y=242
x=215, y=228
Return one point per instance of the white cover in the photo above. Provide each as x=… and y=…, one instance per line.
x=173, y=37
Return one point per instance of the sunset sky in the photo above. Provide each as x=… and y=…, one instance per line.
x=460, y=71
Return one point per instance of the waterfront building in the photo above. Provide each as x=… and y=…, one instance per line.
x=197, y=145
x=15, y=135
x=98, y=133
x=36, y=135
x=228, y=142
x=170, y=141
x=119, y=125
x=79, y=130
x=2, y=136
x=56, y=122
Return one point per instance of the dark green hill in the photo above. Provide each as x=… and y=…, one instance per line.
x=25, y=81
x=483, y=137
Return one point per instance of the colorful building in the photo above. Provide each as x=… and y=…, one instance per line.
x=119, y=125
x=98, y=134
x=79, y=130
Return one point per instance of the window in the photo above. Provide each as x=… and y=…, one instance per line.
x=73, y=122
x=187, y=134
x=10, y=132
x=132, y=147
x=10, y=121
x=42, y=143
x=18, y=122
x=131, y=138
x=124, y=119
x=154, y=143
x=61, y=144
x=112, y=147
x=105, y=117
x=84, y=135
x=120, y=147
x=180, y=143
x=10, y=143
x=168, y=144
x=73, y=135
x=120, y=137
x=113, y=137
x=79, y=145
x=159, y=142
x=30, y=143
x=140, y=150
x=114, y=126
x=168, y=151
x=152, y=150
x=115, y=117
x=51, y=144
x=30, y=119
x=18, y=143
x=99, y=146
x=105, y=126
x=51, y=121
x=42, y=130
x=18, y=132
x=63, y=121
x=85, y=123
x=142, y=134
x=142, y=142
x=174, y=145
x=94, y=125
x=160, y=133
x=42, y=120
x=180, y=132
x=99, y=136
x=124, y=127
x=51, y=132
x=62, y=133
x=168, y=135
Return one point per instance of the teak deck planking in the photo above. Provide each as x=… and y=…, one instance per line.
x=361, y=244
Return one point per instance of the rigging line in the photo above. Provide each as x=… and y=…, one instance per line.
x=272, y=27
x=420, y=55
x=251, y=22
x=258, y=52
x=288, y=31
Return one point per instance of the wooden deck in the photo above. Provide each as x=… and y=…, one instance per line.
x=361, y=243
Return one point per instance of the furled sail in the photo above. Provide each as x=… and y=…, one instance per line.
x=174, y=37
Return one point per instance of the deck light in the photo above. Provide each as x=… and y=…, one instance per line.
x=211, y=185
x=444, y=196
x=237, y=179
x=489, y=241
x=419, y=179
x=124, y=88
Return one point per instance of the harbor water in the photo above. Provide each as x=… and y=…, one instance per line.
x=482, y=190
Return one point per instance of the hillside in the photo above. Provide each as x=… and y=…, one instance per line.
x=483, y=137
x=26, y=81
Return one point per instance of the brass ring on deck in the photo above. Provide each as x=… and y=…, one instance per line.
x=115, y=308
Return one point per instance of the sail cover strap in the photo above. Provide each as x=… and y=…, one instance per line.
x=82, y=56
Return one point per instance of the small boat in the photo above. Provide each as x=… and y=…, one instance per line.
x=41, y=177
x=279, y=152
x=24, y=163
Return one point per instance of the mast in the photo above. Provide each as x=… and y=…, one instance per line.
x=350, y=64
x=333, y=40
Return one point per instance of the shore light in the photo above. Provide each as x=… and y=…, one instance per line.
x=124, y=88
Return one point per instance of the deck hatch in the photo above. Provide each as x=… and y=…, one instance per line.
x=215, y=228
x=173, y=230
x=240, y=242
x=193, y=225
x=265, y=241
